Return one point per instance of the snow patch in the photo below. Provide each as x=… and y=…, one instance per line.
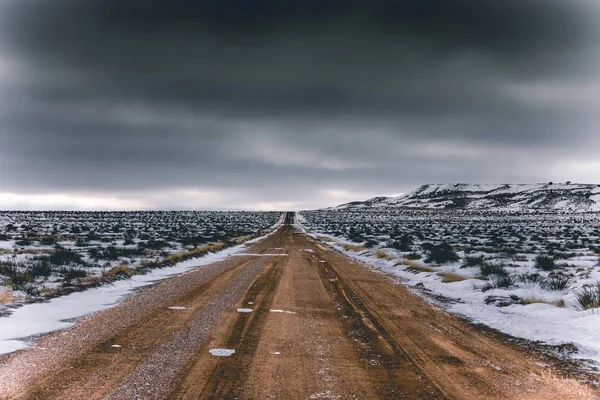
x=222, y=352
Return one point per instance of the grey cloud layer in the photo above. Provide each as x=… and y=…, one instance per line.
x=267, y=96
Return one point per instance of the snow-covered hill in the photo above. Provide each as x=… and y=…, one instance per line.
x=569, y=197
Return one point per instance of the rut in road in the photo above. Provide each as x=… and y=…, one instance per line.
x=343, y=332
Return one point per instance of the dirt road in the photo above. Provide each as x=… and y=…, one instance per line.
x=320, y=326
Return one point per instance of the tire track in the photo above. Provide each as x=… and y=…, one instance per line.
x=226, y=376
x=395, y=374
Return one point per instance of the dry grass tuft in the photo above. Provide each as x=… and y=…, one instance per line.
x=325, y=239
x=353, y=247
x=120, y=269
x=535, y=300
x=415, y=266
x=449, y=277
x=242, y=239
x=383, y=255
x=6, y=295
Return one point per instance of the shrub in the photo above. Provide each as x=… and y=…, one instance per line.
x=557, y=283
x=15, y=275
x=64, y=257
x=23, y=242
x=529, y=278
x=499, y=282
x=545, y=263
x=441, y=253
x=403, y=243
x=28, y=288
x=114, y=253
x=473, y=261
x=48, y=240
x=413, y=256
x=69, y=273
x=588, y=298
x=39, y=268
x=488, y=269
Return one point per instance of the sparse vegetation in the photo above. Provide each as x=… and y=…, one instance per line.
x=473, y=261
x=557, y=283
x=489, y=269
x=441, y=253
x=588, y=298
x=39, y=251
x=545, y=263
x=499, y=282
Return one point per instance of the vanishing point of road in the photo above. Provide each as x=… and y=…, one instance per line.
x=305, y=322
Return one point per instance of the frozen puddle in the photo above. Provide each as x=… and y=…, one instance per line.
x=244, y=310
x=221, y=352
x=177, y=308
x=116, y=346
x=283, y=311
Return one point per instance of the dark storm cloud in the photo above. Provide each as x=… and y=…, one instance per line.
x=374, y=96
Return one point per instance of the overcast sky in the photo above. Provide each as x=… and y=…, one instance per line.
x=256, y=104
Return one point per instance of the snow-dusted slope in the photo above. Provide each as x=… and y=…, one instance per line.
x=572, y=197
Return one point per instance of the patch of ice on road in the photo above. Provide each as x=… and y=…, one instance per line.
x=177, y=308
x=244, y=310
x=221, y=352
x=283, y=311
x=61, y=312
x=116, y=346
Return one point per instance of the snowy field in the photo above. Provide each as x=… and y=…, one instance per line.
x=531, y=276
x=48, y=254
